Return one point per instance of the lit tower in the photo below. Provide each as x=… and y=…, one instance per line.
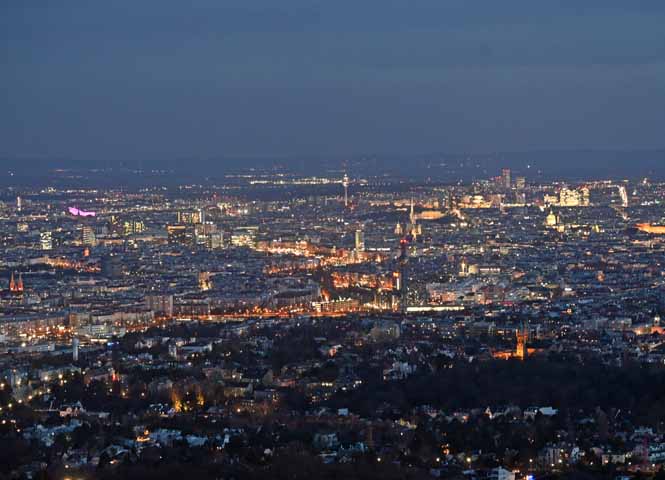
x=522, y=337
x=14, y=286
x=345, y=184
x=413, y=228
x=360, y=240
x=75, y=349
x=624, y=196
x=403, y=264
x=505, y=178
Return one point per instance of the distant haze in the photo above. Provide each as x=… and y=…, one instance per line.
x=231, y=82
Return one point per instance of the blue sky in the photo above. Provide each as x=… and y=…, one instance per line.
x=148, y=79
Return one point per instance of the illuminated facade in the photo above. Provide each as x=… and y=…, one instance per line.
x=46, y=241
x=16, y=286
x=522, y=339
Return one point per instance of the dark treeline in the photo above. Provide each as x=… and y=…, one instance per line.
x=635, y=389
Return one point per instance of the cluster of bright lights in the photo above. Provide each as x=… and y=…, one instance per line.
x=80, y=213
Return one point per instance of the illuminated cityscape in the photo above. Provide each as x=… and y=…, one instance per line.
x=340, y=318
x=332, y=240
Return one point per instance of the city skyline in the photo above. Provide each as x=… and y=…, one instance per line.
x=317, y=240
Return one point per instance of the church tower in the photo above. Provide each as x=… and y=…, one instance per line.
x=521, y=351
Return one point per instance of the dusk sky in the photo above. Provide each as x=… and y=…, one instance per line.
x=154, y=79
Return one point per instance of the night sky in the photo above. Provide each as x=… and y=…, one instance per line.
x=151, y=79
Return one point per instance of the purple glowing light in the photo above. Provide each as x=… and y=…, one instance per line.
x=80, y=213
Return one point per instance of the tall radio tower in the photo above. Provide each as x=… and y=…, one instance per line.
x=345, y=183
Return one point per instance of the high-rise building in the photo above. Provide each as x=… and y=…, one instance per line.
x=19, y=204
x=75, y=349
x=46, y=241
x=88, y=236
x=360, y=240
x=345, y=183
x=624, y=196
x=520, y=183
x=505, y=178
x=190, y=217
x=216, y=240
x=179, y=234
x=132, y=227
x=244, y=236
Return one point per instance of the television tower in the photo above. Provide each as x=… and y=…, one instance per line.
x=403, y=260
x=345, y=183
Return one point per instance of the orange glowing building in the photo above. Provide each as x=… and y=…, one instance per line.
x=653, y=229
x=521, y=351
x=14, y=286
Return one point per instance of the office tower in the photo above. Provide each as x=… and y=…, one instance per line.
x=88, y=236
x=244, y=236
x=360, y=240
x=345, y=183
x=179, y=234
x=505, y=178
x=520, y=183
x=216, y=240
x=46, y=241
x=19, y=204
x=202, y=215
x=75, y=349
x=191, y=217
x=624, y=196
x=200, y=237
x=133, y=226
